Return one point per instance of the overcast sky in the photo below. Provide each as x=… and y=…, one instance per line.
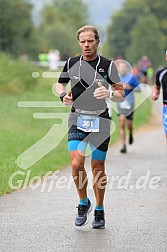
x=100, y=10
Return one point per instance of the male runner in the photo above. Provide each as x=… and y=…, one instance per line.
x=93, y=79
x=126, y=108
x=161, y=82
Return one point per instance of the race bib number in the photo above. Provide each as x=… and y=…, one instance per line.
x=125, y=105
x=88, y=123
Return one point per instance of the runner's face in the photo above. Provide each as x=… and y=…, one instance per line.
x=88, y=45
x=122, y=69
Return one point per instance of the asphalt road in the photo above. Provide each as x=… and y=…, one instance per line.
x=135, y=205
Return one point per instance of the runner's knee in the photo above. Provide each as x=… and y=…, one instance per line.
x=77, y=165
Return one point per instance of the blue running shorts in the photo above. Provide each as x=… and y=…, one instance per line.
x=98, y=141
x=164, y=118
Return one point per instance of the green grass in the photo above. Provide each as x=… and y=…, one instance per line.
x=15, y=75
x=19, y=130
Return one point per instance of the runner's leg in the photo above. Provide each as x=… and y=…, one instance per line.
x=79, y=173
x=122, y=120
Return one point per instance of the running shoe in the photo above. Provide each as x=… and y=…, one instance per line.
x=130, y=138
x=123, y=150
x=99, y=221
x=83, y=212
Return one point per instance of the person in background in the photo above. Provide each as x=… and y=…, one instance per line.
x=150, y=75
x=161, y=83
x=143, y=64
x=126, y=108
x=53, y=58
x=43, y=59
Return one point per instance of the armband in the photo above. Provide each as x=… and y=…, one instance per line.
x=62, y=96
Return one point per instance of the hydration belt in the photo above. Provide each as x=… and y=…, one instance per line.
x=90, y=112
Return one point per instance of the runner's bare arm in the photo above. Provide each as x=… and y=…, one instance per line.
x=155, y=93
x=126, y=86
x=118, y=93
x=61, y=90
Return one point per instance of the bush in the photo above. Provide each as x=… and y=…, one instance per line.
x=15, y=75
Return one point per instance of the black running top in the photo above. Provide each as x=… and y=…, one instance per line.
x=161, y=81
x=84, y=77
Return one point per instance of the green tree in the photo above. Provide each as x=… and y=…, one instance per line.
x=119, y=36
x=74, y=12
x=57, y=37
x=121, y=24
x=144, y=41
x=159, y=10
x=15, y=26
x=60, y=22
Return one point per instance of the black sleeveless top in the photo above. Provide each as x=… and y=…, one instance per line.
x=84, y=77
x=161, y=81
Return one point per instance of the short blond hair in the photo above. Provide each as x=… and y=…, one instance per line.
x=88, y=28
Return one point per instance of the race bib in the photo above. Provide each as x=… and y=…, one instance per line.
x=88, y=123
x=125, y=105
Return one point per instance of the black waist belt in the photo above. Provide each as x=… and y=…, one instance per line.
x=90, y=112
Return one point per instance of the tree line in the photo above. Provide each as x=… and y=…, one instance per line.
x=139, y=28
x=60, y=20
